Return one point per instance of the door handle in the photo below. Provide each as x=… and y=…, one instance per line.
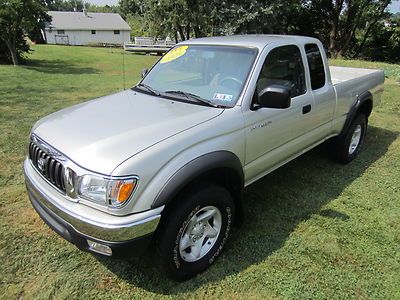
x=306, y=109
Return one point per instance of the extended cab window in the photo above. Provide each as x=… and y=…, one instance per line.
x=316, y=66
x=283, y=66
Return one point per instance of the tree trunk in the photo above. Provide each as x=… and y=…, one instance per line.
x=176, y=37
x=180, y=30
x=188, y=31
x=336, y=9
x=11, y=45
x=346, y=43
x=364, y=40
x=197, y=32
x=333, y=40
x=14, y=56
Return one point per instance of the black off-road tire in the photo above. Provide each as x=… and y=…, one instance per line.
x=341, y=144
x=174, y=222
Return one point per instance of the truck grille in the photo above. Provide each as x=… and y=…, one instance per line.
x=49, y=167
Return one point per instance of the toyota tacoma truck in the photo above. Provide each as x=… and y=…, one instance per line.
x=162, y=166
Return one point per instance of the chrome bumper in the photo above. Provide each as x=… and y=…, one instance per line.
x=84, y=220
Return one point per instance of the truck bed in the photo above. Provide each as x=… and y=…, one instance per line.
x=341, y=74
x=349, y=83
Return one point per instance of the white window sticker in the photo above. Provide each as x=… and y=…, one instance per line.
x=222, y=97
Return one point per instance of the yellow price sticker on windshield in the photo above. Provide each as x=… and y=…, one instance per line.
x=174, y=54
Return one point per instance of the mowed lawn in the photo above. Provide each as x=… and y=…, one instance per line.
x=313, y=228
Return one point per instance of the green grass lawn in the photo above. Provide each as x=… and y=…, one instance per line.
x=313, y=229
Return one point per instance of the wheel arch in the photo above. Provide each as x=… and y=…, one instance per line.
x=363, y=104
x=221, y=167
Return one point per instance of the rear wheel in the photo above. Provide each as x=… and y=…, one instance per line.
x=347, y=146
x=194, y=231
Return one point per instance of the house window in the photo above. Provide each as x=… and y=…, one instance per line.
x=60, y=32
x=93, y=31
x=116, y=31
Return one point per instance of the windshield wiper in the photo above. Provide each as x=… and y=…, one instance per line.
x=148, y=88
x=193, y=97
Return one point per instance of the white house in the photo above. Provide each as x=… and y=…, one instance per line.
x=84, y=28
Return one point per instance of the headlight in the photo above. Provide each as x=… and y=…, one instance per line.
x=106, y=191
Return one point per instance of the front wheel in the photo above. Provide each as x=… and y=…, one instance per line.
x=346, y=147
x=194, y=231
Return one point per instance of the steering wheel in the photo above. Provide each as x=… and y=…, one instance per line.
x=230, y=79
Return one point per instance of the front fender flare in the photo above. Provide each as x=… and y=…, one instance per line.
x=194, y=169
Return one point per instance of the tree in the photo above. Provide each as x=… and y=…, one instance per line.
x=17, y=17
x=344, y=26
x=167, y=17
x=258, y=17
x=103, y=9
x=197, y=18
x=129, y=7
x=396, y=17
x=67, y=5
x=373, y=16
x=138, y=25
x=179, y=19
x=339, y=22
x=383, y=44
x=21, y=45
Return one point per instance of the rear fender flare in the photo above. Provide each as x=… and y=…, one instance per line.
x=354, y=110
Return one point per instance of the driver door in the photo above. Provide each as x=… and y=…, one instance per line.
x=274, y=135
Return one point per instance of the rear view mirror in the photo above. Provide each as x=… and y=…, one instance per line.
x=144, y=72
x=274, y=96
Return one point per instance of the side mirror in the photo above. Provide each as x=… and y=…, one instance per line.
x=274, y=96
x=144, y=72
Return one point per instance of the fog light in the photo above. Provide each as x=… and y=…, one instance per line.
x=99, y=248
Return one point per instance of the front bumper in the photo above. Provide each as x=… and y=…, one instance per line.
x=125, y=235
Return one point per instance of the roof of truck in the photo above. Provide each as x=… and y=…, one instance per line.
x=250, y=40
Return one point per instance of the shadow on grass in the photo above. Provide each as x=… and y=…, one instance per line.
x=273, y=206
x=59, y=67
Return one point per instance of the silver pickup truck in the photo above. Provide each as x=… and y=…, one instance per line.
x=162, y=166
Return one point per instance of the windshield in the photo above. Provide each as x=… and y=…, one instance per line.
x=215, y=74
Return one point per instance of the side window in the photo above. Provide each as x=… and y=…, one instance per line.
x=283, y=66
x=316, y=66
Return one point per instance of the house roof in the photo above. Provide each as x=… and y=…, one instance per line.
x=90, y=21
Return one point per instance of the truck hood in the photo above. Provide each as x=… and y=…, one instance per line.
x=100, y=134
